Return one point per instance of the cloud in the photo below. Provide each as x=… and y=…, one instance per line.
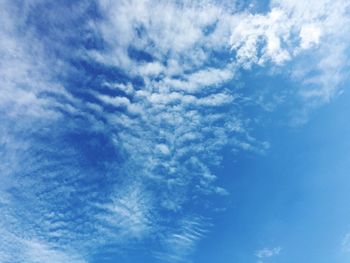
x=263, y=34
x=115, y=113
x=265, y=253
x=180, y=243
x=86, y=167
x=19, y=249
x=287, y=31
x=310, y=35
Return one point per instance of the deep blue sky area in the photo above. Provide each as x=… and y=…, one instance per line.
x=174, y=131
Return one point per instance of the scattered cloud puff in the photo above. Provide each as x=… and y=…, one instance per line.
x=113, y=116
x=267, y=253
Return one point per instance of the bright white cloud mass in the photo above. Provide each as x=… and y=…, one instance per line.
x=114, y=114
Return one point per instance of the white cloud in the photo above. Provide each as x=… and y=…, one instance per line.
x=163, y=149
x=258, y=38
x=310, y=35
x=180, y=243
x=19, y=249
x=266, y=253
x=151, y=69
x=129, y=215
x=38, y=252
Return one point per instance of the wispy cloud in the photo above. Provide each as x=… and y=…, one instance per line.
x=266, y=253
x=179, y=244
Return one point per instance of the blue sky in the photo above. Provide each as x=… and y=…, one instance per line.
x=174, y=131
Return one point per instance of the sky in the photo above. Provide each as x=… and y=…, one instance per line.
x=174, y=131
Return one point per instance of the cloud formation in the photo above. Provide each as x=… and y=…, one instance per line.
x=267, y=253
x=114, y=113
